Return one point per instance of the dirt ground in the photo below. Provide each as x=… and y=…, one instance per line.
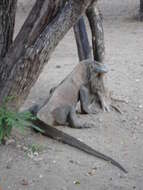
x=60, y=167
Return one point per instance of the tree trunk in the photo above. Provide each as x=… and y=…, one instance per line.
x=33, y=46
x=96, y=82
x=95, y=21
x=141, y=10
x=83, y=46
x=7, y=21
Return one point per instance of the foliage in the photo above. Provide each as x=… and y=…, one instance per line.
x=36, y=148
x=10, y=119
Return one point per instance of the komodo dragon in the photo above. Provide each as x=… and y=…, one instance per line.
x=60, y=107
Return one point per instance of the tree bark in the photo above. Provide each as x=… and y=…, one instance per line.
x=25, y=60
x=7, y=21
x=81, y=36
x=98, y=83
x=41, y=14
x=95, y=21
x=141, y=10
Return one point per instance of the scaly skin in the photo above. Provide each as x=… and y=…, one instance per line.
x=60, y=107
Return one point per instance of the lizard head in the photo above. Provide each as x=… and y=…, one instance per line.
x=99, y=68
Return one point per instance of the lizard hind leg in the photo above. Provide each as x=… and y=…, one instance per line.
x=74, y=121
x=85, y=98
x=61, y=114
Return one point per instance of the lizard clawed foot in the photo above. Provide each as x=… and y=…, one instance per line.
x=116, y=109
x=104, y=101
x=90, y=111
x=106, y=108
x=83, y=126
x=105, y=105
x=88, y=125
x=119, y=100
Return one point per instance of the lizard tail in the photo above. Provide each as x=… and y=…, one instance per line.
x=72, y=141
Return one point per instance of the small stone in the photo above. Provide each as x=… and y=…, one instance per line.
x=24, y=182
x=76, y=182
x=100, y=120
x=25, y=148
x=74, y=162
x=71, y=161
x=123, y=120
x=40, y=176
x=36, y=153
x=30, y=155
x=9, y=165
x=137, y=80
x=10, y=141
x=140, y=106
x=58, y=66
x=18, y=146
x=92, y=172
x=37, y=159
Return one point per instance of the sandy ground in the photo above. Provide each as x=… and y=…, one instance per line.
x=60, y=167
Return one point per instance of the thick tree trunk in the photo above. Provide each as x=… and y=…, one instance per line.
x=141, y=10
x=40, y=16
x=96, y=82
x=95, y=21
x=24, y=62
x=7, y=21
x=141, y=5
x=83, y=46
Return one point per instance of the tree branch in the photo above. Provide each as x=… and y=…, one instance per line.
x=7, y=21
x=95, y=21
x=141, y=10
x=81, y=36
x=28, y=65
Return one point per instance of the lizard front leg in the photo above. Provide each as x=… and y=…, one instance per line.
x=84, y=100
x=74, y=121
